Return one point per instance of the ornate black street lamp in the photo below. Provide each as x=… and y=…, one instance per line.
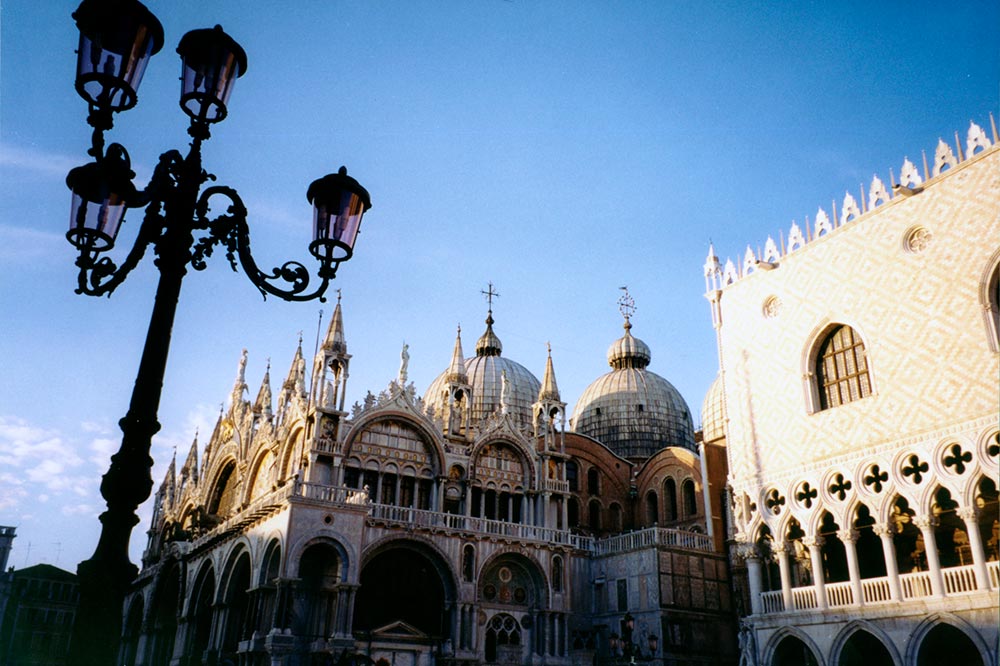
x=624, y=650
x=117, y=38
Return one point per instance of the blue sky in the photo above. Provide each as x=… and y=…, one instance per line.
x=557, y=149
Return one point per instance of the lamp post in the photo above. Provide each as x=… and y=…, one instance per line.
x=117, y=38
x=624, y=650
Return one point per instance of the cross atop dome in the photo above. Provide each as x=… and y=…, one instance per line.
x=489, y=294
x=626, y=305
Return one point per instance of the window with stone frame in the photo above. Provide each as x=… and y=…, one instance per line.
x=841, y=368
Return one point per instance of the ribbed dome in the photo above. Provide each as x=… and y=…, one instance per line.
x=628, y=351
x=713, y=413
x=632, y=411
x=484, y=372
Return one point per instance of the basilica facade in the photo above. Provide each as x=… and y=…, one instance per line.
x=857, y=397
x=837, y=507
x=471, y=524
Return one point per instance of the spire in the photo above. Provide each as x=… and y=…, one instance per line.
x=262, y=405
x=489, y=344
x=296, y=373
x=190, y=468
x=335, y=340
x=169, y=482
x=456, y=371
x=549, y=390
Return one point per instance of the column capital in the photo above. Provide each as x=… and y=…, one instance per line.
x=968, y=513
x=747, y=551
x=848, y=535
x=884, y=529
x=925, y=522
x=813, y=541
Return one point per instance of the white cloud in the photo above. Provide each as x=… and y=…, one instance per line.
x=39, y=161
x=103, y=448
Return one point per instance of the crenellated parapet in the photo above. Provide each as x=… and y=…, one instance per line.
x=852, y=210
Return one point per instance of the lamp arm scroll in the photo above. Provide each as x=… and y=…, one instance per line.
x=100, y=277
x=232, y=231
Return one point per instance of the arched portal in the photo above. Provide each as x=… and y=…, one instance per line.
x=402, y=582
x=945, y=644
x=130, y=633
x=319, y=576
x=236, y=601
x=863, y=649
x=791, y=651
x=165, y=601
x=267, y=590
x=200, y=616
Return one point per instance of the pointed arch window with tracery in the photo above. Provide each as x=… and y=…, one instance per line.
x=841, y=368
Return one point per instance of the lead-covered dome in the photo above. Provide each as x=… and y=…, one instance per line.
x=632, y=411
x=484, y=374
x=713, y=413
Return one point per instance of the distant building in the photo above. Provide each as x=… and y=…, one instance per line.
x=38, y=619
x=858, y=401
x=469, y=526
x=7, y=535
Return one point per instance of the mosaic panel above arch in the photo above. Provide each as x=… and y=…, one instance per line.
x=501, y=463
x=397, y=441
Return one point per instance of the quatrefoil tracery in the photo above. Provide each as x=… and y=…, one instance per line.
x=840, y=486
x=875, y=478
x=915, y=468
x=957, y=458
x=806, y=495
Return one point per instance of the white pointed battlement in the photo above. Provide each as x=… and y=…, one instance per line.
x=852, y=210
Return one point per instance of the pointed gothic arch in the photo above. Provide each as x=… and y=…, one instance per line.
x=861, y=643
x=791, y=647
x=944, y=638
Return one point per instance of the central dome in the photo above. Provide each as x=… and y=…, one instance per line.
x=484, y=373
x=632, y=411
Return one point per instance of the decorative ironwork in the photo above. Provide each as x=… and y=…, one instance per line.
x=116, y=40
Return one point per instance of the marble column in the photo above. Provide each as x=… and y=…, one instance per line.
x=885, y=532
x=849, y=537
x=970, y=515
x=927, y=525
x=781, y=551
x=815, y=546
x=749, y=553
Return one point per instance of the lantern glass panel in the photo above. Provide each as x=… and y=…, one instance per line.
x=211, y=62
x=338, y=224
x=94, y=224
x=116, y=43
